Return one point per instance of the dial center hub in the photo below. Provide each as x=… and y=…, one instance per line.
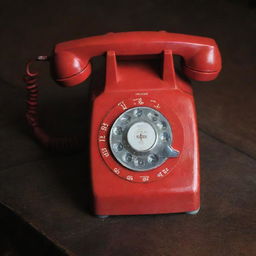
x=141, y=136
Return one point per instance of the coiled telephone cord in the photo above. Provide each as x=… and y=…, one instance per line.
x=57, y=144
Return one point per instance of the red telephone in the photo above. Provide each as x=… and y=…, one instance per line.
x=143, y=143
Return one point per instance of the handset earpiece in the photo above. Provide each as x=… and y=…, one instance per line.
x=199, y=75
x=205, y=65
x=69, y=69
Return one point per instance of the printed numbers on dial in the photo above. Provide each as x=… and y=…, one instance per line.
x=104, y=127
x=104, y=152
x=144, y=178
x=163, y=172
x=122, y=105
x=102, y=138
x=139, y=100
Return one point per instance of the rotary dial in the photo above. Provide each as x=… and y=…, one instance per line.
x=140, y=139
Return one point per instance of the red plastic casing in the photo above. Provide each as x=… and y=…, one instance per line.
x=131, y=82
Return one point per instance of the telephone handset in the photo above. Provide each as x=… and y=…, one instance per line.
x=201, y=55
x=143, y=141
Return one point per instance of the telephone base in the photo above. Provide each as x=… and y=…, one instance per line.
x=193, y=212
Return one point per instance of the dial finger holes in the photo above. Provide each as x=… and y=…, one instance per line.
x=152, y=116
x=152, y=158
x=118, y=147
x=125, y=119
x=137, y=112
x=117, y=130
x=139, y=162
x=138, y=138
x=165, y=136
x=161, y=125
x=127, y=157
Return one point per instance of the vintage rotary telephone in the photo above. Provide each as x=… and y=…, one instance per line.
x=143, y=144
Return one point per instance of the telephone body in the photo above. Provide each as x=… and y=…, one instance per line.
x=144, y=155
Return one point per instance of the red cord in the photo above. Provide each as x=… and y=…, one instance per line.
x=57, y=144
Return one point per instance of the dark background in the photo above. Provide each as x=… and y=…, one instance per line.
x=44, y=196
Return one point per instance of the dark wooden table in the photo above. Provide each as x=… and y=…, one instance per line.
x=50, y=192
